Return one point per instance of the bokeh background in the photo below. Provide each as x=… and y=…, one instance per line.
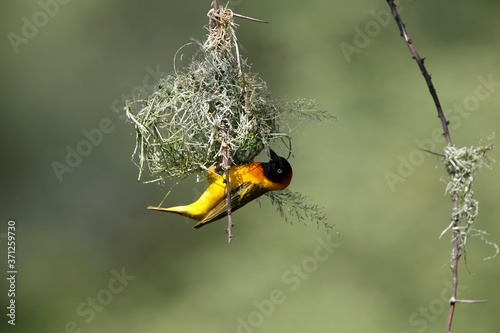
x=387, y=271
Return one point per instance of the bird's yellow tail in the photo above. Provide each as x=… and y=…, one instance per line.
x=181, y=210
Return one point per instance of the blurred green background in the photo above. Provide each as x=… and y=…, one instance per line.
x=386, y=272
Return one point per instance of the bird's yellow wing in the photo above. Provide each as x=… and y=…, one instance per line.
x=242, y=195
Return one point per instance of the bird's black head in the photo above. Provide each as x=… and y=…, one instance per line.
x=278, y=170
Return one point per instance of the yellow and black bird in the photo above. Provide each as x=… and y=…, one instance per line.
x=247, y=182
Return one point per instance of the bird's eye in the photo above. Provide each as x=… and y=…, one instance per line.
x=279, y=171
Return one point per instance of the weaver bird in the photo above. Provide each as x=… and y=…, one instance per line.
x=247, y=182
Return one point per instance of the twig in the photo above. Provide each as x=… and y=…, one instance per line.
x=225, y=153
x=432, y=152
x=225, y=167
x=213, y=22
x=471, y=301
x=249, y=18
x=456, y=254
x=454, y=263
x=420, y=62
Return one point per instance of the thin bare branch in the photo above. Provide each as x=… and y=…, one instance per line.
x=456, y=252
x=249, y=18
x=471, y=301
x=432, y=152
x=420, y=62
x=225, y=167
